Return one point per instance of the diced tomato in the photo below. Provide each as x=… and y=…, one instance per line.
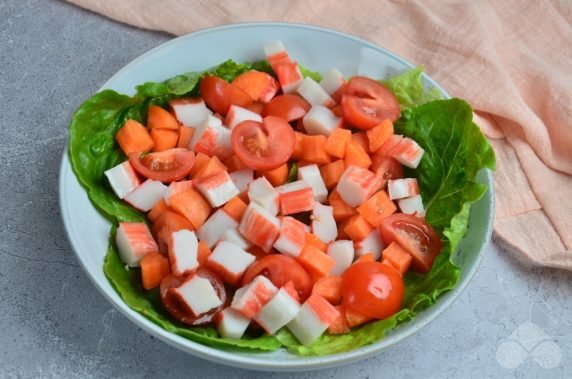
x=166, y=166
x=386, y=168
x=220, y=95
x=288, y=107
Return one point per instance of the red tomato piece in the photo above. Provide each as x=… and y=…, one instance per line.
x=288, y=107
x=166, y=166
x=220, y=95
x=386, y=168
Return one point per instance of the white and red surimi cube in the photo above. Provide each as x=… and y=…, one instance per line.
x=289, y=76
x=323, y=224
x=402, y=188
x=134, y=241
x=332, y=81
x=237, y=114
x=412, y=205
x=404, y=150
x=321, y=121
x=223, y=148
x=242, y=178
x=176, y=187
x=205, y=138
x=292, y=237
x=357, y=184
x=278, y=312
x=190, y=112
x=183, y=250
x=232, y=235
x=146, y=195
x=314, y=94
x=197, y=295
x=314, y=317
x=342, y=252
x=261, y=192
x=211, y=231
x=259, y=226
x=123, y=179
x=249, y=299
x=372, y=243
x=230, y=261
x=231, y=323
x=311, y=175
x=276, y=53
x=217, y=188
x=295, y=197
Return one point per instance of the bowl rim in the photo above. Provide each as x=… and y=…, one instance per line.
x=238, y=359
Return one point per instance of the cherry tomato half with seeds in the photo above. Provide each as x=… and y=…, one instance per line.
x=165, y=166
x=289, y=107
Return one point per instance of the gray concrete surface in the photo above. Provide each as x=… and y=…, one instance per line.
x=53, y=322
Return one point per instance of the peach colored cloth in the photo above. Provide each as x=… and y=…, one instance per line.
x=512, y=60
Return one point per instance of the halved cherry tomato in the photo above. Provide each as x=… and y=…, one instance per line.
x=372, y=289
x=386, y=167
x=220, y=95
x=174, y=307
x=288, y=107
x=281, y=269
x=414, y=235
x=366, y=103
x=166, y=166
x=263, y=146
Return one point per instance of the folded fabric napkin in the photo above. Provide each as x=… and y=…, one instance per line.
x=512, y=60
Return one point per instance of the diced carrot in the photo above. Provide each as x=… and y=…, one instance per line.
x=377, y=208
x=355, y=318
x=154, y=267
x=397, y=257
x=342, y=235
x=290, y=289
x=192, y=206
x=203, y=253
x=302, y=163
x=312, y=240
x=379, y=134
x=212, y=166
x=134, y=137
x=201, y=159
x=260, y=86
x=164, y=139
x=358, y=228
x=338, y=111
x=167, y=223
x=297, y=153
x=324, y=311
x=233, y=163
x=340, y=325
x=157, y=210
x=356, y=156
x=330, y=288
x=332, y=172
x=313, y=149
x=278, y=176
x=337, y=141
x=185, y=136
x=158, y=118
x=235, y=208
x=256, y=107
x=368, y=257
x=361, y=139
x=342, y=210
x=316, y=263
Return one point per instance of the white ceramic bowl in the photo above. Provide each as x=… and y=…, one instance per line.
x=317, y=49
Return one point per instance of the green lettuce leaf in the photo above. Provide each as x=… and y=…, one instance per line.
x=408, y=88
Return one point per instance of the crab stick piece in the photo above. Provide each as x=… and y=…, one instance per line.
x=276, y=53
x=342, y=252
x=259, y=226
x=412, y=205
x=292, y=237
x=249, y=299
x=175, y=188
x=242, y=179
x=278, y=312
x=230, y=261
x=356, y=185
x=314, y=317
x=332, y=81
x=405, y=150
x=314, y=94
x=323, y=224
x=372, y=243
x=261, y=192
x=191, y=112
x=197, y=295
x=205, y=137
x=295, y=197
x=321, y=121
x=134, y=241
x=237, y=114
x=311, y=175
x=146, y=195
x=217, y=188
x=397, y=257
x=123, y=179
x=223, y=148
x=289, y=76
x=212, y=230
x=183, y=250
x=231, y=323
x=402, y=188
x=232, y=235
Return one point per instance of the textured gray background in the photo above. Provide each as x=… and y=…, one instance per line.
x=54, y=323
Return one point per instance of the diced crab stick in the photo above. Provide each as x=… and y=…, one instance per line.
x=211, y=231
x=205, y=137
x=342, y=251
x=405, y=150
x=183, y=250
x=277, y=312
x=230, y=261
x=323, y=224
x=292, y=237
x=261, y=192
x=356, y=185
x=259, y=226
x=134, y=241
x=146, y=195
x=237, y=114
x=232, y=235
x=197, y=295
x=314, y=317
x=372, y=243
x=175, y=188
x=311, y=175
x=412, y=205
x=402, y=188
x=217, y=188
x=276, y=53
x=314, y=94
x=223, y=148
x=122, y=179
x=231, y=323
x=321, y=121
x=289, y=76
x=332, y=81
x=249, y=299
x=191, y=112
x=242, y=179
x=295, y=197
